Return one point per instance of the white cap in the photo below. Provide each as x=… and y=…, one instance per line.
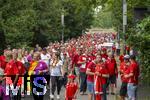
x=126, y=57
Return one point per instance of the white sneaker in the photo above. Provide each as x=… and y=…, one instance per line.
x=58, y=97
x=52, y=96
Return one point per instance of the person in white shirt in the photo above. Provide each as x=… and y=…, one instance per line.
x=45, y=56
x=56, y=70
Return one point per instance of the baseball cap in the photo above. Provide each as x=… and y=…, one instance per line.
x=126, y=57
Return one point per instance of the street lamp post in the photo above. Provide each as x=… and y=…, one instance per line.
x=124, y=20
x=62, y=23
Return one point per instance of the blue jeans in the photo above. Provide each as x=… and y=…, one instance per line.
x=104, y=96
x=131, y=90
x=83, y=83
x=90, y=87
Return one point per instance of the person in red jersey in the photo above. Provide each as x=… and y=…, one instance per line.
x=112, y=68
x=121, y=58
x=132, y=75
x=90, y=78
x=123, y=68
x=104, y=54
x=101, y=76
x=4, y=59
x=75, y=59
x=71, y=88
x=76, y=65
x=3, y=95
x=82, y=61
x=13, y=69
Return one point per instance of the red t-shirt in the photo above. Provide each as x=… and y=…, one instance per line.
x=104, y=56
x=121, y=58
x=83, y=67
x=21, y=68
x=134, y=68
x=101, y=68
x=13, y=68
x=71, y=89
x=111, y=65
x=75, y=60
x=123, y=68
x=90, y=59
x=91, y=66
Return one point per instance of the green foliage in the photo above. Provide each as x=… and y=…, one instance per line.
x=138, y=34
x=28, y=22
x=140, y=39
x=103, y=19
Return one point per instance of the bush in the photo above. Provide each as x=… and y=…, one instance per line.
x=140, y=39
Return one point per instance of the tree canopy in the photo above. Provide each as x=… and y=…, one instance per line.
x=30, y=22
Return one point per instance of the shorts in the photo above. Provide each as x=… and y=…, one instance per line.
x=112, y=79
x=90, y=87
x=132, y=89
x=123, y=89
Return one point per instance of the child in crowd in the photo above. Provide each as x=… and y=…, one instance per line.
x=71, y=88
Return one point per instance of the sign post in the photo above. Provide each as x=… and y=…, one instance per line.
x=62, y=23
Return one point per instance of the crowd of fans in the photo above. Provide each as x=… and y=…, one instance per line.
x=81, y=65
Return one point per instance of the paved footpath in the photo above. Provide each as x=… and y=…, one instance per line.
x=143, y=94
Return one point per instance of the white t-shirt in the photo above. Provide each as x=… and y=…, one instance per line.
x=24, y=59
x=117, y=46
x=131, y=52
x=56, y=71
x=62, y=57
x=46, y=58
